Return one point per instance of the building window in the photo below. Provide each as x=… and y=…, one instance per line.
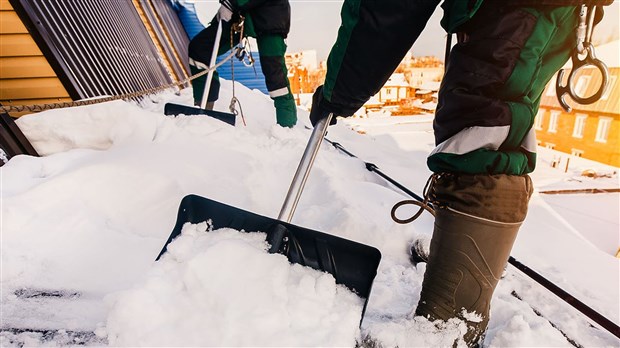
x=553, y=122
x=580, y=125
x=576, y=152
x=610, y=86
x=582, y=85
x=538, y=121
x=602, y=132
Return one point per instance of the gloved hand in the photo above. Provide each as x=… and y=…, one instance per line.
x=225, y=12
x=320, y=108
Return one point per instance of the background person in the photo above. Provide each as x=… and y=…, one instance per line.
x=269, y=22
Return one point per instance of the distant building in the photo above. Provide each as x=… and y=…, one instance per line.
x=422, y=100
x=373, y=104
x=307, y=59
x=303, y=69
x=589, y=131
x=418, y=76
x=395, y=89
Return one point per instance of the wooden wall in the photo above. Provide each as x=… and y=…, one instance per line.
x=26, y=77
x=63, y=61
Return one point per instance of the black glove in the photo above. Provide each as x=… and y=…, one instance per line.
x=320, y=108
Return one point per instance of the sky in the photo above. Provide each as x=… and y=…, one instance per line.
x=314, y=26
x=83, y=223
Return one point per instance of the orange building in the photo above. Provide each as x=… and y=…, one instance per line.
x=588, y=131
x=303, y=72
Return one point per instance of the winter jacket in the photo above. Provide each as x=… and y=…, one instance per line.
x=490, y=94
x=457, y=12
x=264, y=16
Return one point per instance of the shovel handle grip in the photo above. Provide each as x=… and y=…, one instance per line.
x=303, y=170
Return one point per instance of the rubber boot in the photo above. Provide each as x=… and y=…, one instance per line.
x=286, y=110
x=476, y=223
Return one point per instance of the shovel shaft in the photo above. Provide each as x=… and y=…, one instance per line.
x=216, y=46
x=303, y=170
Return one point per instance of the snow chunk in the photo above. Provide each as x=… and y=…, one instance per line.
x=471, y=316
x=221, y=288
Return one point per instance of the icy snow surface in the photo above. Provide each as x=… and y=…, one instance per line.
x=83, y=224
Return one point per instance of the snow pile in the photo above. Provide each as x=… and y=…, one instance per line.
x=88, y=219
x=221, y=288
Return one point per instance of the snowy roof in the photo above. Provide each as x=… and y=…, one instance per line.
x=85, y=221
x=431, y=85
x=430, y=106
x=374, y=101
x=397, y=80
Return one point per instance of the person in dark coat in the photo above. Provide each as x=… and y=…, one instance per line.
x=268, y=21
x=507, y=51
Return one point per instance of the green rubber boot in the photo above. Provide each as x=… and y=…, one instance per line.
x=476, y=224
x=286, y=110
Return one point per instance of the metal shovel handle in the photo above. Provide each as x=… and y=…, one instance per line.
x=216, y=46
x=303, y=170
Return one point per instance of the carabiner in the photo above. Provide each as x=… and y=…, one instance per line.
x=590, y=59
x=584, y=46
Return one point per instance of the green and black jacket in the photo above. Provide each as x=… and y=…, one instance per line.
x=269, y=22
x=265, y=17
x=506, y=54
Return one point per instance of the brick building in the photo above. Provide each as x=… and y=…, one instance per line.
x=589, y=131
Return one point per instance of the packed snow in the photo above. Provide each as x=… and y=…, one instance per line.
x=83, y=224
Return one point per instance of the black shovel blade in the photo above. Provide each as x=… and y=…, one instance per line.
x=177, y=109
x=352, y=264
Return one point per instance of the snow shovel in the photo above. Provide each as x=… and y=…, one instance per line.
x=352, y=264
x=176, y=109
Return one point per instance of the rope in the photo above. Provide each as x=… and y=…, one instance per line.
x=607, y=324
x=237, y=27
x=425, y=204
x=97, y=100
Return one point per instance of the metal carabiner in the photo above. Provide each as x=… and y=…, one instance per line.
x=590, y=59
x=584, y=46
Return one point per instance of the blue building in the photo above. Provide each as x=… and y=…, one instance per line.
x=251, y=77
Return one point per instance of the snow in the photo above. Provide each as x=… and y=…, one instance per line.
x=90, y=216
x=296, y=306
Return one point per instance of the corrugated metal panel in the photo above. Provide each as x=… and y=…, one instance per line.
x=160, y=31
x=243, y=74
x=174, y=28
x=187, y=15
x=95, y=47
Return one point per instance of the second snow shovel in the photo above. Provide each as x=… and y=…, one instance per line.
x=176, y=109
x=352, y=264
